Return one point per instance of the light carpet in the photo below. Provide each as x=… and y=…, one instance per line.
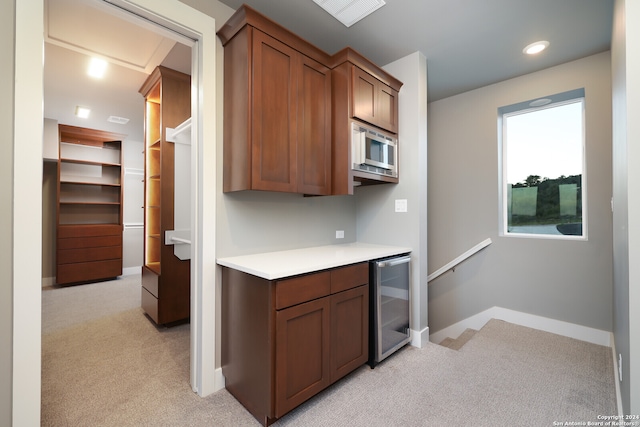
x=122, y=370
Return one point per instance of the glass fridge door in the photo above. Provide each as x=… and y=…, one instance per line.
x=392, y=289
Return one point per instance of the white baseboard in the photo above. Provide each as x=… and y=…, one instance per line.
x=559, y=327
x=130, y=271
x=218, y=381
x=48, y=281
x=616, y=378
x=419, y=338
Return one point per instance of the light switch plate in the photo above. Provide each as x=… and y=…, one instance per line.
x=339, y=234
x=401, y=205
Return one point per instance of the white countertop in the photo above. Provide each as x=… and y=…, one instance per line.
x=276, y=265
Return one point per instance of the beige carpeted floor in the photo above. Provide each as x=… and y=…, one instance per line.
x=121, y=370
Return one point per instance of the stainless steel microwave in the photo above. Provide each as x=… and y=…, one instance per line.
x=373, y=150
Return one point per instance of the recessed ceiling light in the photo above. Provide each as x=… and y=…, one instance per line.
x=83, y=112
x=350, y=11
x=97, y=68
x=540, y=102
x=536, y=47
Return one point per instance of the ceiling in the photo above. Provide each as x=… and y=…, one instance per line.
x=75, y=31
x=467, y=43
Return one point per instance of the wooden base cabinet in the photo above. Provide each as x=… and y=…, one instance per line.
x=283, y=341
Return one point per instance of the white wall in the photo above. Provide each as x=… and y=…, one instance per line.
x=26, y=211
x=132, y=202
x=377, y=221
x=7, y=46
x=625, y=67
x=569, y=281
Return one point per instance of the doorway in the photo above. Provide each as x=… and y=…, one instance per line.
x=28, y=156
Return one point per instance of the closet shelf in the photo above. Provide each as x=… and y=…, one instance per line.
x=89, y=162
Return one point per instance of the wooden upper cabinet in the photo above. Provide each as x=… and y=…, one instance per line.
x=274, y=133
x=314, y=128
x=361, y=92
x=373, y=101
x=288, y=107
x=277, y=108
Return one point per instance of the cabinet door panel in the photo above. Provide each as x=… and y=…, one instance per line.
x=374, y=102
x=387, y=108
x=274, y=115
x=349, y=331
x=302, y=353
x=314, y=128
x=364, y=89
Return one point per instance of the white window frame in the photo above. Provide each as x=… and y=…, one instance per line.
x=564, y=98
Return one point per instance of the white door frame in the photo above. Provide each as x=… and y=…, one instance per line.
x=27, y=192
x=201, y=28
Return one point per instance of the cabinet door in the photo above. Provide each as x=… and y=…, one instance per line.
x=374, y=102
x=387, y=108
x=274, y=159
x=364, y=96
x=302, y=353
x=314, y=128
x=349, y=331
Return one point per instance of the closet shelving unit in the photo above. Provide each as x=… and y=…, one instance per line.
x=165, y=277
x=89, y=205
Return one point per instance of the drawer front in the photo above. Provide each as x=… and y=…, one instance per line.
x=69, y=256
x=89, y=242
x=84, y=271
x=150, y=281
x=349, y=277
x=66, y=231
x=149, y=304
x=302, y=289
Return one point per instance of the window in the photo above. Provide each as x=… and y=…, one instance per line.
x=542, y=167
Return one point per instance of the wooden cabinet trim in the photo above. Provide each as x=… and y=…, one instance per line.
x=350, y=55
x=246, y=15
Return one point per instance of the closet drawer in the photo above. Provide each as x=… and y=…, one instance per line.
x=89, y=242
x=89, y=230
x=69, y=256
x=85, y=271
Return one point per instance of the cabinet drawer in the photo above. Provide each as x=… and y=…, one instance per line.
x=68, y=256
x=349, y=277
x=150, y=281
x=89, y=242
x=85, y=271
x=302, y=289
x=67, y=231
x=149, y=304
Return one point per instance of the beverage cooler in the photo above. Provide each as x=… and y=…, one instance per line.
x=389, y=307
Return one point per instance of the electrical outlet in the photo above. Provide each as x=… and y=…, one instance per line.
x=339, y=234
x=401, y=205
x=620, y=366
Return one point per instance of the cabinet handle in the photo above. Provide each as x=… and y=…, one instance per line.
x=392, y=262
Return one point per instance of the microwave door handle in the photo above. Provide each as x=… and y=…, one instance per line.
x=363, y=147
x=387, y=147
